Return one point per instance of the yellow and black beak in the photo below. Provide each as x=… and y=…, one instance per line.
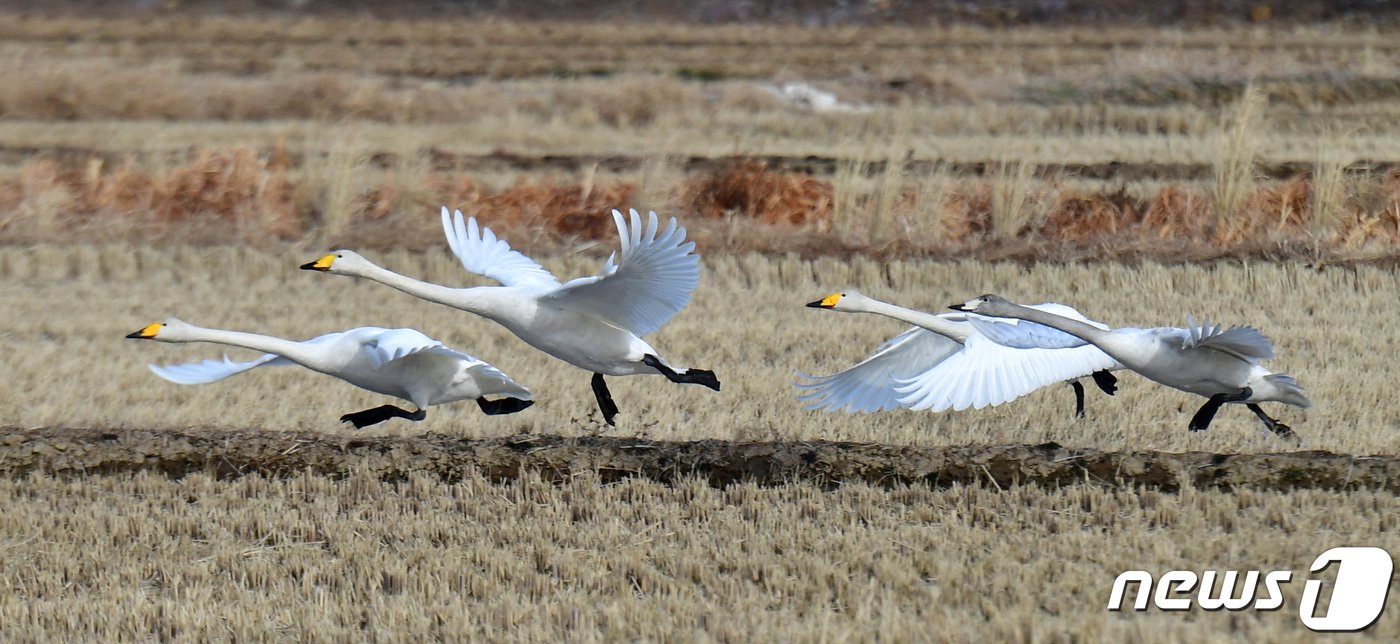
x=959, y=307
x=826, y=302
x=323, y=264
x=147, y=332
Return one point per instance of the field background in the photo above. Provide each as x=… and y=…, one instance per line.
x=1238, y=165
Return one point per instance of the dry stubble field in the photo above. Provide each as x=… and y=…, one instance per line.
x=314, y=557
x=185, y=166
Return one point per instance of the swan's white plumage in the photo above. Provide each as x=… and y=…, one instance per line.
x=594, y=323
x=404, y=363
x=1203, y=359
x=985, y=373
x=946, y=363
x=639, y=289
x=647, y=286
x=868, y=385
x=481, y=253
x=207, y=371
x=1244, y=342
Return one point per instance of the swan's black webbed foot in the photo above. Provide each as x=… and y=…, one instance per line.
x=362, y=419
x=605, y=401
x=1206, y=413
x=1272, y=424
x=503, y=405
x=703, y=377
x=1106, y=381
x=1078, y=398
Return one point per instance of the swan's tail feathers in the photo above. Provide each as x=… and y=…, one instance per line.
x=494, y=381
x=207, y=371
x=1289, y=391
x=1245, y=342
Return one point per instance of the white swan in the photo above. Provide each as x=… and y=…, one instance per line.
x=402, y=363
x=943, y=362
x=593, y=323
x=1207, y=360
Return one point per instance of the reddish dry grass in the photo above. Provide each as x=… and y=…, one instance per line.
x=250, y=196
x=750, y=189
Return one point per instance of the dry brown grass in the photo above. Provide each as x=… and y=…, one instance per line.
x=240, y=194
x=311, y=558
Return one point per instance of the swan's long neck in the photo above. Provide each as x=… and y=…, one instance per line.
x=290, y=349
x=1084, y=331
x=472, y=300
x=952, y=330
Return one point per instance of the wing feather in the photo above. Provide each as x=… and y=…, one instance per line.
x=645, y=285
x=1244, y=342
x=985, y=374
x=868, y=386
x=482, y=253
x=207, y=371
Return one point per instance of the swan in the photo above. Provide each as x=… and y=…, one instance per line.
x=944, y=362
x=402, y=363
x=594, y=323
x=1208, y=360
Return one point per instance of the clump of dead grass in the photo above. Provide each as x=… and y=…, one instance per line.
x=349, y=197
x=234, y=189
x=751, y=190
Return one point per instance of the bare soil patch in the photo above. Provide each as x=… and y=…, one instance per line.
x=230, y=454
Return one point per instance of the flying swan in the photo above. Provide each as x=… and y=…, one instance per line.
x=1207, y=360
x=943, y=362
x=594, y=323
x=402, y=363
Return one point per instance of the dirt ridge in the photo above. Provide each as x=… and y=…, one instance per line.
x=228, y=454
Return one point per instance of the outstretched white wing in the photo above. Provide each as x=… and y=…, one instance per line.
x=986, y=373
x=207, y=371
x=869, y=385
x=646, y=285
x=481, y=253
x=1244, y=342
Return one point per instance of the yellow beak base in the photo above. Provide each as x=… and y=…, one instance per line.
x=147, y=332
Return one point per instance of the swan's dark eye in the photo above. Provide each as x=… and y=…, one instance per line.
x=338, y=256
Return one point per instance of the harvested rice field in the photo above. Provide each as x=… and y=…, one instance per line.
x=185, y=163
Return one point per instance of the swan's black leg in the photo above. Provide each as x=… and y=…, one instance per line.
x=1106, y=381
x=1206, y=413
x=361, y=419
x=605, y=401
x=1078, y=398
x=703, y=377
x=503, y=405
x=1280, y=429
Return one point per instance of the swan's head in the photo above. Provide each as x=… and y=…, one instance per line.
x=167, y=330
x=848, y=300
x=987, y=305
x=340, y=262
